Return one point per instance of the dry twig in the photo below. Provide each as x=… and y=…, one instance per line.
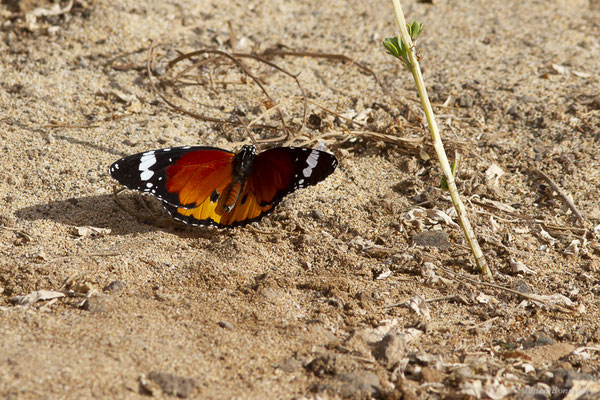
x=563, y=195
x=181, y=77
x=147, y=219
x=533, y=297
x=342, y=58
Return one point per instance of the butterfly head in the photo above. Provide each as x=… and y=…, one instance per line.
x=248, y=148
x=244, y=161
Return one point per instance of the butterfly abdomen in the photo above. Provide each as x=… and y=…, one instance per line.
x=243, y=163
x=232, y=197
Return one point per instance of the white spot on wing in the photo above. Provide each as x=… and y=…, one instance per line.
x=145, y=175
x=312, y=159
x=147, y=160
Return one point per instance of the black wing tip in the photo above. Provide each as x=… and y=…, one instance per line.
x=114, y=169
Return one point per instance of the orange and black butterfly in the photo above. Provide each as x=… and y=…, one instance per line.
x=211, y=186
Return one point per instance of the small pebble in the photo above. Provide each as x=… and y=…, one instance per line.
x=114, y=286
x=543, y=340
x=359, y=385
x=173, y=385
x=290, y=365
x=225, y=325
x=323, y=365
x=94, y=304
x=522, y=287
x=317, y=215
x=437, y=239
x=390, y=350
x=514, y=112
x=431, y=375
x=466, y=101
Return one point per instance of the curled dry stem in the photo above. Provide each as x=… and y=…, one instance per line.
x=185, y=77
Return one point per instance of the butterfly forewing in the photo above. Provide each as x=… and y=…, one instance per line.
x=178, y=176
x=197, y=175
x=280, y=171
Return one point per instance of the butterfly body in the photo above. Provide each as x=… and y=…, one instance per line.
x=211, y=186
x=242, y=166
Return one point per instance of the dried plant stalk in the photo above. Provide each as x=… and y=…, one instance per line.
x=415, y=69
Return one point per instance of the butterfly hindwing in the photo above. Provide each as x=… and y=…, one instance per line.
x=246, y=210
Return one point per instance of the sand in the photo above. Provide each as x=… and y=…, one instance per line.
x=355, y=288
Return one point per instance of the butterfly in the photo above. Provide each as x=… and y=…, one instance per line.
x=212, y=186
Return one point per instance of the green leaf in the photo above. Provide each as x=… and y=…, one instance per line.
x=444, y=183
x=398, y=48
x=414, y=30
x=392, y=46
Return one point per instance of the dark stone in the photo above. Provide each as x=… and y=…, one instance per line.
x=240, y=111
x=114, y=286
x=173, y=385
x=359, y=384
x=317, y=215
x=466, y=101
x=225, y=325
x=437, y=239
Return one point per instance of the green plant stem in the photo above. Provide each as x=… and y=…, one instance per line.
x=437, y=142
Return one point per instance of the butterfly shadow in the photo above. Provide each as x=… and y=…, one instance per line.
x=102, y=211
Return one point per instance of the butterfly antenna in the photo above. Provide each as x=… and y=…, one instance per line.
x=248, y=132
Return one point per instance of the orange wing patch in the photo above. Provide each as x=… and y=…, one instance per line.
x=246, y=210
x=195, y=183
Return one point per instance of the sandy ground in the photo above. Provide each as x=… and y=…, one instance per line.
x=350, y=289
